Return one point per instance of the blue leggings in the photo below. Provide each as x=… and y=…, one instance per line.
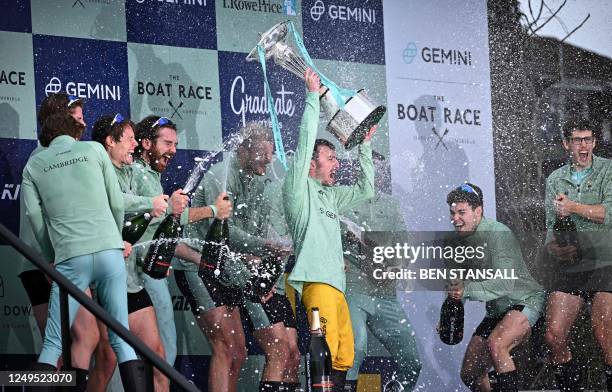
x=386, y=320
x=107, y=269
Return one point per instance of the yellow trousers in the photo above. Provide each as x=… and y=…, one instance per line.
x=335, y=321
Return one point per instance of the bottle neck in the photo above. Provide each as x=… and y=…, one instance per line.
x=315, y=323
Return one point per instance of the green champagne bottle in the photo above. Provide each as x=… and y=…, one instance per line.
x=159, y=257
x=135, y=227
x=214, y=249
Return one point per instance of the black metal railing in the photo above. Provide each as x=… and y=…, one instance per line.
x=68, y=288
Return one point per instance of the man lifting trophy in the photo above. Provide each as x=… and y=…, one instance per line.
x=351, y=113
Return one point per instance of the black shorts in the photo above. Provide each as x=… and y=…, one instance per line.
x=587, y=296
x=36, y=286
x=139, y=300
x=220, y=295
x=278, y=308
x=488, y=324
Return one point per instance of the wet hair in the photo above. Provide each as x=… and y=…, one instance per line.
x=253, y=134
x=60, y=124
x=55, y=103
x=577, y=124
x=145, y=130
x=102, y=128
x=468, y=193
x=321, y=143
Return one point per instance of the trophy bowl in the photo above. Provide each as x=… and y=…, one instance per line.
x=349, y=121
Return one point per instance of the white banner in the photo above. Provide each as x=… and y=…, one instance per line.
x=440, y=135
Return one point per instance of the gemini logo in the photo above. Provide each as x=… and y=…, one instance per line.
x=317, y=10
x=437, y=55
x=84, y=90
x=409, y=53
x=342, y=12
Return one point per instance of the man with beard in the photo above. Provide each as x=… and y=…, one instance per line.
x=312, y=206
x=582, y=191
x=513, y=305
x=117, y=136
x=157, y=141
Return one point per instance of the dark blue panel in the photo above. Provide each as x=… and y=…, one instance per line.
x=344, y=30
x=16, y=16
x=191, y=25
x=14, y=154
x=74, y=66
x=242, y=96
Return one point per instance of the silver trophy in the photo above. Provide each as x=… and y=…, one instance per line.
x=350, y=123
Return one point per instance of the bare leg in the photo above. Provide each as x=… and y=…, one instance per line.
x=509, y=333
x=476, y=364
x=106, y=361
x=143, y=323
x=291, y=374
x=601, y=316
x=561, y=313
x=85, y=337
x=274, y=341
x=223, y=329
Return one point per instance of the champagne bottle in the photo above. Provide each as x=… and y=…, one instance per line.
x=565, y=233
x=318, y=358
x=263, y=278
x=213, y=251
x=135, y=227
x=451, y=321
x=159, y=257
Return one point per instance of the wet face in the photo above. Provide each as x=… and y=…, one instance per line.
x=121, y=151
x=324, y=167
x=464, y=218
x=259, y=157
x=77, y=113
x=580, y=146
x=159, y=153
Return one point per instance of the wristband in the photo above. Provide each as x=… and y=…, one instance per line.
x=213, y=209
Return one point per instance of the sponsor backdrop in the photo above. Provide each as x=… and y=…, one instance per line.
x=185, y=59
x=440, y=135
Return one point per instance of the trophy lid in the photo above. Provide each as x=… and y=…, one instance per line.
x=275, y=34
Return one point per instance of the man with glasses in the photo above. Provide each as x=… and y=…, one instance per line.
x=157, y=141
x=581, y=190
x=116, y=134
x=514, y=303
